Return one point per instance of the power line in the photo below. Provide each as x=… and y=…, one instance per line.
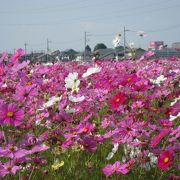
x=70, y=21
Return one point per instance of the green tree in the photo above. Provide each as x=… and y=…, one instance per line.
x=88, y=48
x=100, y=46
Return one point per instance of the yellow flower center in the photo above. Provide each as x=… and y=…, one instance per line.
x=85, y=130
x=9, y=168
x=166, y=159
x=29, y=83
x=117, y=100
x=10, y=114
x=11, y=148
x=129, y=79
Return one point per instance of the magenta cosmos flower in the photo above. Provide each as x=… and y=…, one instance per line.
x=118, y=100
x=11, y=114
x=165, y=159
x=19, y=53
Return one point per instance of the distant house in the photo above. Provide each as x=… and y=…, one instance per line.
x=110, y=53
x=68, y=55
x=45, y=58
x=139, y=52
x=80, y=56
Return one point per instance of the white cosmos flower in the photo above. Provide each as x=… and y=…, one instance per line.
x=51, y=102
x=117, y=40
x=160, y=79
x=172, y=118
x=91, y=70
x=114, y=150
x=110, y=156
x=72, y=82
x=76, y=99
x=70, y=110
x=175, y=101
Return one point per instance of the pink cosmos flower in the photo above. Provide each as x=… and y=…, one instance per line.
x=25, y=92
x=165, y=159
x=13, y=152
x=117, y=167
x=130, y=79
x=4, y=56
x=10, y=114
x=85, y=128
x=19, y=53
x=39, y=148
x=111, y=169
x=89, y=143
x=117, y=100
x=156, y=140
x=8, y=168
x=165, y=122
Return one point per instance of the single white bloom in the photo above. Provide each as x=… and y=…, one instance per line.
x=153, y=159
x=38, y=122
x=160, y=79
x=4, y=85
x=115, y=148
x=70, y=110
x=110, y=156
x=172, y=118
x=52, y=101
x=90, y=71
x=76, y=99
x=129, y=54
x=117, y=40
x=175, y=101
x=72, y=82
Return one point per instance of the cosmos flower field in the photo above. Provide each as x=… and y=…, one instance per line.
x=89, y=120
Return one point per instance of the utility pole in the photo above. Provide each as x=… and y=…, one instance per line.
x=86, y=34
x=25, y=48
x=124, y=42
x=85, y=40
x=47, y=50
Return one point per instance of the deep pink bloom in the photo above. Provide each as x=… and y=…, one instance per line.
x=19, y=53
x=165, y=122
x=165, y=159
x=11, y=114
x=156, y=140
x=117, y=100
x=85, y=128
x=130, y=79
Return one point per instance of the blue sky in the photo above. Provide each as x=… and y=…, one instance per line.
x=64, y=22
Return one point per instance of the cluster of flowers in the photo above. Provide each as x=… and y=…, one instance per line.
x=133, y=105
